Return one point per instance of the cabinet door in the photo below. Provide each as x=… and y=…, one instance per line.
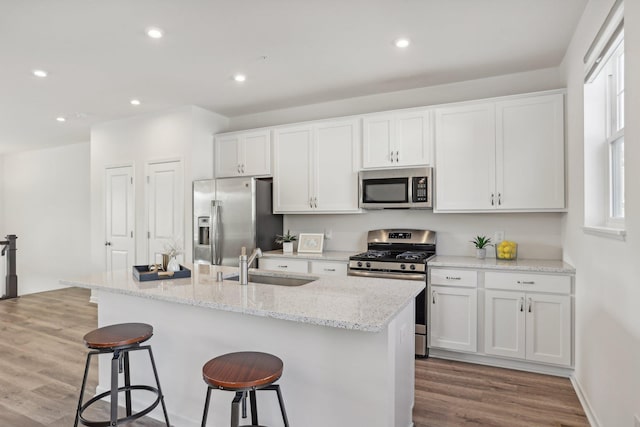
x=292, y=169
x=328, y=268
x=454, y=318
x=504, y=323
x=549, y=328
x=284, y=264
x=256, y=153
x=336, y=171
x=465, y=158
x=414, y=139
x=530, y=153
x=378, y=139
x=227, y=152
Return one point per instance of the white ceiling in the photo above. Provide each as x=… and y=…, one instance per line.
x=98, y=56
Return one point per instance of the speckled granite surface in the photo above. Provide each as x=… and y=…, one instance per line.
x=356, y=303
x=531, y=265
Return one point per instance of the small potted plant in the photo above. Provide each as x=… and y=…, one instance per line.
x=286, y=240
x=172, y=249
x=481, y=243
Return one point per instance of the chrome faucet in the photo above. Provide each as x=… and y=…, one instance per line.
x=245, y=262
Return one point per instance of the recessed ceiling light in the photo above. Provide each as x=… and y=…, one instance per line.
x=135, y=102
x=240, y=78
x=61, y=119
x=155, y=33
x=39, y=73
x=402, y=43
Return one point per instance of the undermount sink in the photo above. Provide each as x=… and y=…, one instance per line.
x=276, y=280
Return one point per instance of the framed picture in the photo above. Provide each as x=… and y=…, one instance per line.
x=310, y=243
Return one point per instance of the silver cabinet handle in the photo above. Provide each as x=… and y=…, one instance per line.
x=453, y=278
x=239, y=168
x=524, y=282
x=521, y=304
x=107, y=243
x=315, y=202
x=492, y=201
x=433, y=297
x=311, y=202
x=397, y=156
x=283, y=266
x=391, y=157
x=242, y=168
x=530, y=304
x=499, y=199
x=329, y=269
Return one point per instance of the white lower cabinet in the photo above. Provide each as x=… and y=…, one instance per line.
x=296, y=265
x=534, y=327
x=454, y=318
x=284, y=264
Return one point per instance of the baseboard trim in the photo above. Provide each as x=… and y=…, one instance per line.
x=586, y=406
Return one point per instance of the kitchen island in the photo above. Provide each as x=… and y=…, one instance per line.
x=347, y=343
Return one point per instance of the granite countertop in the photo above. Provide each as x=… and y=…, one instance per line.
x=529, y=265
x=357, y=303
x=324, y=256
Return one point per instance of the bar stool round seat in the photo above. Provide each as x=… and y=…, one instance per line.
x=243, y=372
x=119, y=339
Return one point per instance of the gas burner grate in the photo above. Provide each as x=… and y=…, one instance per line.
x=412, y=256
x=375, y=254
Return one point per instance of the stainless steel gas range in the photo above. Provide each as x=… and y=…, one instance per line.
x=399, y=254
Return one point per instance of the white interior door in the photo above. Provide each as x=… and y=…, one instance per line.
x=119, y=219
x=165, y=208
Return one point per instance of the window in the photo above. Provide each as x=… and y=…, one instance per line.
x=604, y=120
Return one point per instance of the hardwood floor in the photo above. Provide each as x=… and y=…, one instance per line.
x=42, y=360
x=452, y=394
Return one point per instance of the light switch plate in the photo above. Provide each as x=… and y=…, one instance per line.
x=498, y=236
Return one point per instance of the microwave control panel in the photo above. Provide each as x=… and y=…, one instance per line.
x=419, y=189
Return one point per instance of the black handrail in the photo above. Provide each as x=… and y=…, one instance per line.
x=11, y=280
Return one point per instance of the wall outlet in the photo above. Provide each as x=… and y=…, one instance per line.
x=498, y=236
x=328, y=233
x=636, y=421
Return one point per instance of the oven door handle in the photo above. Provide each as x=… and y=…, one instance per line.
x=385, y=275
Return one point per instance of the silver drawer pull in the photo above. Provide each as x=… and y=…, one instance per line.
x=329, y=269
x=453, y=278
x=283, y=266
x=524, y=282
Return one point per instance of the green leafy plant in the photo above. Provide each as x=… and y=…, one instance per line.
x=285, y=238
x=481, y=242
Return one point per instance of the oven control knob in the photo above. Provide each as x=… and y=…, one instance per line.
x=368, y=265
x=359, y=263
x=412, y=266
x=403, y=267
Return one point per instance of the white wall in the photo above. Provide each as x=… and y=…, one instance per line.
x=539, y=235
x=46, y=204
x=182, y=133
x=608, y=271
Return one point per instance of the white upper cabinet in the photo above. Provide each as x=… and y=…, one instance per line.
x=243, y=154
x=530, y=153
x=505, y=155
x=397, y=139
x=316, y=167
x=465, y=157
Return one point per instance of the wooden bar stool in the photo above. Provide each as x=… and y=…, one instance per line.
x=119, y=339
x=243, y=372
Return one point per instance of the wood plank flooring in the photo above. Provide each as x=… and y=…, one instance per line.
x=42, y=360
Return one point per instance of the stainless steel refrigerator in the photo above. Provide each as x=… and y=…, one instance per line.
x=230, y=213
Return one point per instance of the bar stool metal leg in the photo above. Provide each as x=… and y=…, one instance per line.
x=127, y=383
x=281, y=402
x=206, y=407
x=235, y=409
x=84, y=384
x=155, y=374
x=254, y=407
x=114, y=387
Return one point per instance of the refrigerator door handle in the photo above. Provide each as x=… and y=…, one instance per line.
x=216, y=250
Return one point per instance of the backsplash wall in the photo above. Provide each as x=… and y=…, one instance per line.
x=538, y=234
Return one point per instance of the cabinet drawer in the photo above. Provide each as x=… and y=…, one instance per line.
x=529, y=282
x=329, y=268
x=284, y=264
x=464, y=278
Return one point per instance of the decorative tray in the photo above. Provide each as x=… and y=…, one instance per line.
x=143, y=274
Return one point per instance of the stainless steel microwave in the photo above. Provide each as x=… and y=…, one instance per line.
x=396, y=189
